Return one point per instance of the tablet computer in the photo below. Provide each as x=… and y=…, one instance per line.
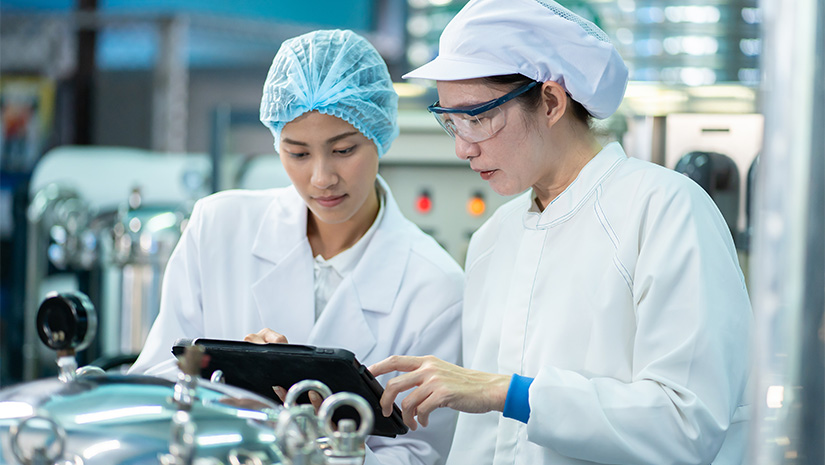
x=258, y=367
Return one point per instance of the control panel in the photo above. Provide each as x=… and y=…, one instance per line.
x=449, y=202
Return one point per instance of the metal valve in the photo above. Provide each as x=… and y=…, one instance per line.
x=66, y=323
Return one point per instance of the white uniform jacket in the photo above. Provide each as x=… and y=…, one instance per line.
x=625, y=301
x=244, y=263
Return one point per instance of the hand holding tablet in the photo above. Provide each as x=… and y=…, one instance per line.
x=260, y=367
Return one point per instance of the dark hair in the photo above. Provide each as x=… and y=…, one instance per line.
x=532, y=98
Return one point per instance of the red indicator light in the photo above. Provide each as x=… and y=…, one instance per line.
x=424, y=204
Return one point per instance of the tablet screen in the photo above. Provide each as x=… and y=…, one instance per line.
x=258, y=367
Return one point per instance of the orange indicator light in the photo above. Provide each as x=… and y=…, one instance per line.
x=476, y=205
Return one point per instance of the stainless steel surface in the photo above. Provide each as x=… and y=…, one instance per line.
x=144, y=237
x=82, y=189
x=51, y=206
x=788, y=266
x=85, y=418
x=133, y=243
x=129, y=419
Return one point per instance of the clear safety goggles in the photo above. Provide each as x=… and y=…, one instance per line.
x=478, y=122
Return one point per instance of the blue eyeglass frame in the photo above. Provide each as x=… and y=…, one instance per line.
x=482, y=107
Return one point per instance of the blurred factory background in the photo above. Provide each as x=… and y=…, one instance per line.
x=117, y=115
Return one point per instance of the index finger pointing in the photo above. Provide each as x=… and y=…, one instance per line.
x=395, y=363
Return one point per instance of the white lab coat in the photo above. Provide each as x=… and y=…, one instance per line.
x=244, y=263
x=625, y=301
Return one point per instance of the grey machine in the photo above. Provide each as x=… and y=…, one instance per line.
x=719, y=177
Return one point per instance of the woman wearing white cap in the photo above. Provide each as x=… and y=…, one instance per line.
x=329, y=261
x=605, y=317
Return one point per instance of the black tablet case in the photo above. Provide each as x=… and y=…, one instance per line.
x=258, y=367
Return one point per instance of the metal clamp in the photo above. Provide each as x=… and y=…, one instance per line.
x=39, y=454
x=347, y=443
x=218, y=377
x=297, y=433
x=185, y=391
x=305, y=386
x=346, y=398
x=244, y=457
x=182, y=441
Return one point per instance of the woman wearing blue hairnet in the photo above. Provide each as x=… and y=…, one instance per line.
x=330, y=260
x=605, y=316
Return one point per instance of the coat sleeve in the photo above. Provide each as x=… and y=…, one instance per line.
x=181, y=312
x=441, y=338
x=690, y=352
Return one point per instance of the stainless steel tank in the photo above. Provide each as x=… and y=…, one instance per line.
x=143, y=238
x=119, y=419
x=88, y=417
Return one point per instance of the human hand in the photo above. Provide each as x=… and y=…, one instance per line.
x=314, y=398
x=439, y=384
x=246, y=404
x=266, y=336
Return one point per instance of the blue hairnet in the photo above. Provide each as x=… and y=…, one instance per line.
x=335, y=72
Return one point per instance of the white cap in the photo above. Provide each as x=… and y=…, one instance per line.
x=539, y=39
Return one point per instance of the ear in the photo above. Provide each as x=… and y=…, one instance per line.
x=554, y=101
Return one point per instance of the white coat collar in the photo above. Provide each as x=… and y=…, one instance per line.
x=572, y=199
x=283, y=227
x=283, y=292
x=283, y=230
x=386, y=257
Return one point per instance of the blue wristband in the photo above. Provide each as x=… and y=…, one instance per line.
x=517, y=403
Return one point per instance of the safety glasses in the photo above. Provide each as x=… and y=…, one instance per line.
x=478, y=122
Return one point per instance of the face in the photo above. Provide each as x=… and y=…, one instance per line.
x=333, y=167
x=512, y=160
